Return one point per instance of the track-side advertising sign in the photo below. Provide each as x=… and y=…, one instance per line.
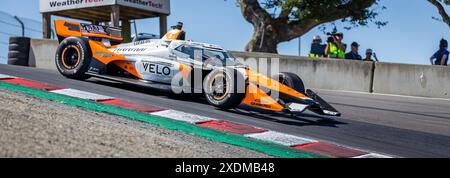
x=157, y=6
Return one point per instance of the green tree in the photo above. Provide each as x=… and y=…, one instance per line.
x=439, y=4
x=277, y=21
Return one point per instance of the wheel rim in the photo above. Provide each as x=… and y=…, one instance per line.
x=71, y=57
x=219, y=87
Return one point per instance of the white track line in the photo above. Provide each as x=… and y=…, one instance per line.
x=182, y=116
x=281, y=138
x=82, y=94
x=373, y=155
x=2, y=76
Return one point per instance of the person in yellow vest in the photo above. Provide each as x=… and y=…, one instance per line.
x=335, y=47
x=176, y=33
x=317, y=48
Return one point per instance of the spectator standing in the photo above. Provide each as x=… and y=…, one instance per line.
x=317, y=48
x=335, y=47
x=441, y=56
x=354, y=53
x=369, y=54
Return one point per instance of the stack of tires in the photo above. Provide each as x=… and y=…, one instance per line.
x=19, y=50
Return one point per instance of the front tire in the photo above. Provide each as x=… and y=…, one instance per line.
x=73, y=58
x=291, y=80
x=225, y=90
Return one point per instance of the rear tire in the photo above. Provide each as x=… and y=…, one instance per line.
x=291, y=80
x=73, y=58
x=227, y=95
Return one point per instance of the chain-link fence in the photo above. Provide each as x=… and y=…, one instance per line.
x=16, y=26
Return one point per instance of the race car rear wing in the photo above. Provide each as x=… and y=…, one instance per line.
x=65, y=29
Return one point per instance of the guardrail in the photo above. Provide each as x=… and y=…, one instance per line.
x=330, y=74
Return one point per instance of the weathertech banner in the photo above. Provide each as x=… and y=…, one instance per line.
x=59, y=5
x=158, y=6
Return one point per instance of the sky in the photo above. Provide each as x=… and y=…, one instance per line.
x=411, y=35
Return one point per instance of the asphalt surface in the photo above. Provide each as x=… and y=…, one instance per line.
x=393, y=125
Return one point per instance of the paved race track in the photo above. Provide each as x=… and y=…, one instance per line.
x=393, y=125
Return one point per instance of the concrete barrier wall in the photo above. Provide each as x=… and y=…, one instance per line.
x=412, y=80
x=42, y=53
x=331, y=74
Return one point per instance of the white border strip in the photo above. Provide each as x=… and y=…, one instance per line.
x=2, y=76
x=182, y=116
x=281, y=138
x=82, y=94
x=373, y=155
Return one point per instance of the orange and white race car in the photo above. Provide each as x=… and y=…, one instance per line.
x=179, y=66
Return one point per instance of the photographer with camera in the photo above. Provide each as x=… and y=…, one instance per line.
x=335, y=47
x=317, y=48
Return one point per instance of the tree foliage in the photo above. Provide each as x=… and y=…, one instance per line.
x=277, y=21
x=439, y=4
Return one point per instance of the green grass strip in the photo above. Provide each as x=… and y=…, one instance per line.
x=266, y=147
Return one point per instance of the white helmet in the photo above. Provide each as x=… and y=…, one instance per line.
x=317, y=37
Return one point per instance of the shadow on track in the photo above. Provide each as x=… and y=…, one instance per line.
x=300, y=120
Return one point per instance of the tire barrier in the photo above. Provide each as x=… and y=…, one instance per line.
x=19, y=50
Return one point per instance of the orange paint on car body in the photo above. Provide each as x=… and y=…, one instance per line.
x=269, y=83
x=129, y=67
x=68, y=29
x=257, y=98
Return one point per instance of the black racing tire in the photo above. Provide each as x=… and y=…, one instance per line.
x=291, y=80
x=19, y=49
x=15, y=47
x=234, y=90
x=17, y=54
x=73, y=58
x=19, y=40
x=17, y=62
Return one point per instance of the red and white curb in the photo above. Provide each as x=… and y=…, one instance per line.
x=281, y=138
x=301, y=143
x=182, y=116
x=82, y=94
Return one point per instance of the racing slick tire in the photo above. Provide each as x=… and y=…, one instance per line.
x=73, y=58
x=291, y=80
x=225, y=90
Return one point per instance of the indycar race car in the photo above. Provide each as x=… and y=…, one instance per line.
x=179, y=66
